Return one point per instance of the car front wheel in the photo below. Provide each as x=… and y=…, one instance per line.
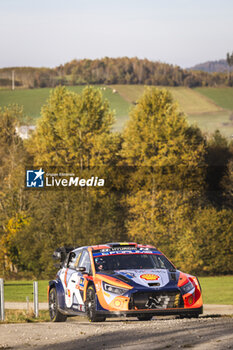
x=91, y=306
x=54, y=313
x=144, y=317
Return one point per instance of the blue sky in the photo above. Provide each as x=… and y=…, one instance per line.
x=52, y=32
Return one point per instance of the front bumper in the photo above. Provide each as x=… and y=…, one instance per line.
x=153, y=302
x=154, y=312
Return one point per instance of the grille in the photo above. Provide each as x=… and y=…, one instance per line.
x=156, y=300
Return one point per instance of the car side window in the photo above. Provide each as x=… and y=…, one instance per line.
x=79, y=254
x=73, y=259
x=85, y=261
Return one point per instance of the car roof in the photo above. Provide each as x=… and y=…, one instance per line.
x=113, y=245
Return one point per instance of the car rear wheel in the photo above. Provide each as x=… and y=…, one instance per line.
x=144, y=317
x=91, y=306
x=54, y=313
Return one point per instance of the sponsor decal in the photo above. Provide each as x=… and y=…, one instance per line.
x=105, y=252
x=149, y=277
x=177, y=299
x=98, y=286
x=81, y=283
x=128, y=274
x=117, y=302
x=79, y=307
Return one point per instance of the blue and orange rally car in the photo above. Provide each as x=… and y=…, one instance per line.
x=127, y=279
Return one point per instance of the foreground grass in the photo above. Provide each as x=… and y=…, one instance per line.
x=19, y=316
x=216, y=290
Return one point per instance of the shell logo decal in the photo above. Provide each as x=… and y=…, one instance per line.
x=149, y=277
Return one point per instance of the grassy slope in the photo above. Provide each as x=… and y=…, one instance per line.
x=203, y=106
x=33, y=100
x=212, y=121
x=216, y=290
x=221, y=96
x=198, y=107
x=190, y=101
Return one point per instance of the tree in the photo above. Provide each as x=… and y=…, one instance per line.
x=74, y=132
x=227, y=180
x=69, y=125
x=12, y=174
x=169, y=176
x=206, y=244
x=230, y=64
x=218, y=157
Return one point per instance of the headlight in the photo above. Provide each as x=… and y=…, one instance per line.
x=112, y=289
x=187, y=287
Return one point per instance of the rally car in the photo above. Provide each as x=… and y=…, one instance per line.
x=116, y=279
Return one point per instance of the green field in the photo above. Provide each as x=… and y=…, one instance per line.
x=199, y=105
x=209, y=108
x=19, y=290
x=223, y=97
x=33, y=99
x=210, y=122
x=190, y=101
x=216, y=290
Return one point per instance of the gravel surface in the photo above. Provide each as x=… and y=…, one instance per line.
x=209, y=309
x=161, y=333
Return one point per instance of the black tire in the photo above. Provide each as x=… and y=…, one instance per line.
x=91, y=306
x=54, y=313
x=144, y=317
x=195, y=315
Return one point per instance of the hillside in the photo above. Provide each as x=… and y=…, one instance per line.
x=209, y=108
x=219, y=66
x=122, y=70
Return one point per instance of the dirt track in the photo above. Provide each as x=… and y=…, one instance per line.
x=162, y=333
x=209, y=309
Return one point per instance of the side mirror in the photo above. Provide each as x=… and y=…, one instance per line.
x=81, y=269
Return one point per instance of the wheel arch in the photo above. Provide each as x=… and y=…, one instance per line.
x=57, y=284
x=89, y=283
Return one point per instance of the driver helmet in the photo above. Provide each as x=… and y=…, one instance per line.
x=100, y=263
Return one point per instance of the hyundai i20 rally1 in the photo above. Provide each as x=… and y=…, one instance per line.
x=117, y=279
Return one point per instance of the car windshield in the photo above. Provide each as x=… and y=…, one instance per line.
x=132, y=262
